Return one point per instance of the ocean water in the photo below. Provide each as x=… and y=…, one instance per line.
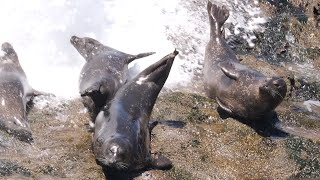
x=40, y=32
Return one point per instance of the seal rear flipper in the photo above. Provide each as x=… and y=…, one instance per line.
x=229, y=70
x=159, y=71
x=138, y=56
x=160, y=162
x=217, y=17
x=9, y=51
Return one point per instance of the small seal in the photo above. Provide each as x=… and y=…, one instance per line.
x=121, y=139
x=239, y=90
x=15, y=93
x=104, y=72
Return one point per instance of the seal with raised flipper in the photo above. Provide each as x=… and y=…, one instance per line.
x=104, y=72
x=121, y=139
x=239, y=90
x=15, y=93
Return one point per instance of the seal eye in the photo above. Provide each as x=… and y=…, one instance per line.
x=276, y=85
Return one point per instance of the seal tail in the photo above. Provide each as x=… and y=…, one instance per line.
x=138, y=56
x=217, y=17
x=153, y=72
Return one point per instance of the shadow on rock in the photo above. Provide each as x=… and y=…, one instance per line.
x=111, y=174
x=115, y=175
x=266, y=126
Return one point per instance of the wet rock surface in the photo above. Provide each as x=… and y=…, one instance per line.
x=191, y=133
x=200, y=143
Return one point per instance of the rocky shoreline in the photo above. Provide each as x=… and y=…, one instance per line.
x=201, y=144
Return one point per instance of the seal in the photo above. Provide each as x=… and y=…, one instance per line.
x=15, y=93
x=104, y=72
x=239, y=90
x=121, y=139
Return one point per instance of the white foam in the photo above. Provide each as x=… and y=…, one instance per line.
x=3, y=102
x=40, y=32
x=2, y=53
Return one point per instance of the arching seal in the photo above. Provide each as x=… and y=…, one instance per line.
x=15, y=93
x=121, y=138
x=239, y=90
x=104, y=72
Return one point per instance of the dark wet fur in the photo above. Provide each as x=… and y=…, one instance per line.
x=99, y=82
x=17, y=81
x=237, y=88
x=130, y=131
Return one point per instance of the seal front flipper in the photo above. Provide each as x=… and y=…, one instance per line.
x=222, y=106
x=97, y=95
x=138, y=56
x=229, y=70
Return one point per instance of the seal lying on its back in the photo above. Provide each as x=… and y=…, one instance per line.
x=121, y=138
x=104, y=72
x=239, y=90
x=15, y=93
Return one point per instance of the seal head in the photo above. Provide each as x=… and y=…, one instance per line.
x=115, y=153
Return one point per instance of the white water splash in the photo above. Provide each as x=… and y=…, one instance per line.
x=40, y=31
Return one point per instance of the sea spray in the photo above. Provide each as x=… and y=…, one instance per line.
x=40, y=32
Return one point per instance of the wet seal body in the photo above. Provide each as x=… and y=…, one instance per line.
x=104, y=72
x=15, y=93
x=239, y=90
x=121, y=139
